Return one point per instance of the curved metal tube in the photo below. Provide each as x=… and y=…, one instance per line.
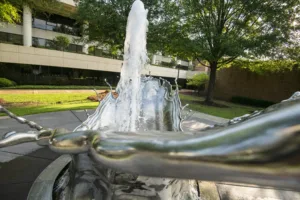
x=262, y=150
x=21, y=120
x=18, y=138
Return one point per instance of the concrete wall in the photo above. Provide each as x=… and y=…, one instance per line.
x=37, y=56
x=39, y=33
x=269, y=87
x=10, y=28
x=160, y=58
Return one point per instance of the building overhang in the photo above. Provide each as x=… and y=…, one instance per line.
x=45, y=57
x=65, y=8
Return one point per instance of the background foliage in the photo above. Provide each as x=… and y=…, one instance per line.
x=10, y=10
x=6, y=82
x=269, y=66
x=8, y=13
x=198, y=80
x=219, y=31
x=107, y=20
x=61, y=42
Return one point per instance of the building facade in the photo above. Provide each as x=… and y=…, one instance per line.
x=30, y=43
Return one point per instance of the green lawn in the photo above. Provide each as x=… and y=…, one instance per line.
x=233, y=110
x=30, y=110
x=26, y=104
x=56, y=87
x=48, y=98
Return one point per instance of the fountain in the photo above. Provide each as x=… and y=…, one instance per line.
x=130, y=142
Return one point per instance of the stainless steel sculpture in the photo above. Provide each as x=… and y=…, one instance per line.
x=139, y=134
x=261, y=149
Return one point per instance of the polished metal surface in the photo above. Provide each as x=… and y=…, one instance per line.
x=43, y=186
x=262, y=149
x=139, y=134
x=21, y=119
x=160, y=111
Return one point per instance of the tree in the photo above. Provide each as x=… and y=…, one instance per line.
x=41, y=4
x=198, y=80
x=219, y=31
x=291, y=49
x=107, y=20
x=8, y=13
x=10, y=9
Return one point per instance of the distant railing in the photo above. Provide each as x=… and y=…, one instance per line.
x=11, y=38
x=16, y=39
x=53, y=25
x=48, y=44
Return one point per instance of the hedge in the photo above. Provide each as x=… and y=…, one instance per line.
x=4, y=82
x=251, y=102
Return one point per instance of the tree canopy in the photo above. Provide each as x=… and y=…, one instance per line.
x=215, y=32
x=10, y=9
x=107, y=20
x=268, y=66
x=219, y=31
x=41, y=4
x=8, y=13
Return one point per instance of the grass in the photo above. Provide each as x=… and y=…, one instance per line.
x=56, y=87
x=48, y=98
x=30, y=110
x=230, y=111
x=26, y=104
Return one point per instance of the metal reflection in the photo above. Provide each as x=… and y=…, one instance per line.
x=262, y=148
x=21, y=120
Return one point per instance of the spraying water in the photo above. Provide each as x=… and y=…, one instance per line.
x=143, y=103
x=135, y=58
x=258, y=148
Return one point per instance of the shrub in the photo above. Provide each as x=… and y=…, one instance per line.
x=61, y=43
x=101, y=96
x=251, y=102
x=198, y=81
x=269, y=66
x=4, y=82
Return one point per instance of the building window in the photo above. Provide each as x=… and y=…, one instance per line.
x=95, y=51
x=48, y=44
x=74, y=48
x=39, y=23
x=51, y=26
x=56, y=23
x=40, y=42
x=98, y=52
x=11, y=38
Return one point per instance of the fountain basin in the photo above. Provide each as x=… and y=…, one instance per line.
x=42, y=188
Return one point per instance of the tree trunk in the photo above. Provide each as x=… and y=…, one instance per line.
x=211, y=83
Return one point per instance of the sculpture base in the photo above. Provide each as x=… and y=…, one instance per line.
x=43, y=186
x=51, y=185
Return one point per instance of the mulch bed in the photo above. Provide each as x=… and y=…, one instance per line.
x=101, y=96
x=2, y=102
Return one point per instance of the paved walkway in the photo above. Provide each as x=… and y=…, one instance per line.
x=20, y=165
